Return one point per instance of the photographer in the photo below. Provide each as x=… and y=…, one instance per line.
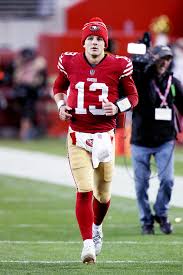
x=153, y=133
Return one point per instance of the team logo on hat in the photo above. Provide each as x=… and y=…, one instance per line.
x=94, y=28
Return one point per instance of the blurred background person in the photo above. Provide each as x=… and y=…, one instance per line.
x=30, y=76
x=153, y=133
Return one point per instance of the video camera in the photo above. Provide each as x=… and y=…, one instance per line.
x=142, y=45
x=140, y=51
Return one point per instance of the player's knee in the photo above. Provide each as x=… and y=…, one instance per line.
x=103, y=197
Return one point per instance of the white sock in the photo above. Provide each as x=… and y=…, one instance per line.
x=88, y=242
x=97, y=227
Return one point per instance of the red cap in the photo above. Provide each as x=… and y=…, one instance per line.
x=95, y=27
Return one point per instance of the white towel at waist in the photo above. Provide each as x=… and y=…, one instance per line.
x=98, y=144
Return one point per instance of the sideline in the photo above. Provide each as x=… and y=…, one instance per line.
x=80, y=242
x=142, y=262
x=56, y=170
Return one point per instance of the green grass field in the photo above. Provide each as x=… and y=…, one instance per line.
x=39, y=233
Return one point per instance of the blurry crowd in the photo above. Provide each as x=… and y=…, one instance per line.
x=23, y=80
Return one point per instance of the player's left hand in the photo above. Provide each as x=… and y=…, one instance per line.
x=110, y=108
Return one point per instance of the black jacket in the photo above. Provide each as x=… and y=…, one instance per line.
x=146, y=131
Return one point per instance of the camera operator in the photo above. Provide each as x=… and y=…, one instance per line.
x=153, y=133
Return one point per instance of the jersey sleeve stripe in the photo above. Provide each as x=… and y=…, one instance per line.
x=61, y=69
x=128, y=69
x=127, y=74
x=129, y=64
x=60, y=59
x=60, y=65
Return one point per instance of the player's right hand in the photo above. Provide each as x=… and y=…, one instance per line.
x=64, y=112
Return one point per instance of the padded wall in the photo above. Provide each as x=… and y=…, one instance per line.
x=115, y=12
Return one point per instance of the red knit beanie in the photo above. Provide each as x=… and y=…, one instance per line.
x=95, y=27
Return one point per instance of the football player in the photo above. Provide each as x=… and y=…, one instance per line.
x=90, y=90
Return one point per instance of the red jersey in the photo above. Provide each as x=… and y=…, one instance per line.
x=86, y=87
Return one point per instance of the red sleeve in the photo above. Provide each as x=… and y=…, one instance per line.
x=129, y=89
x=61, y=84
